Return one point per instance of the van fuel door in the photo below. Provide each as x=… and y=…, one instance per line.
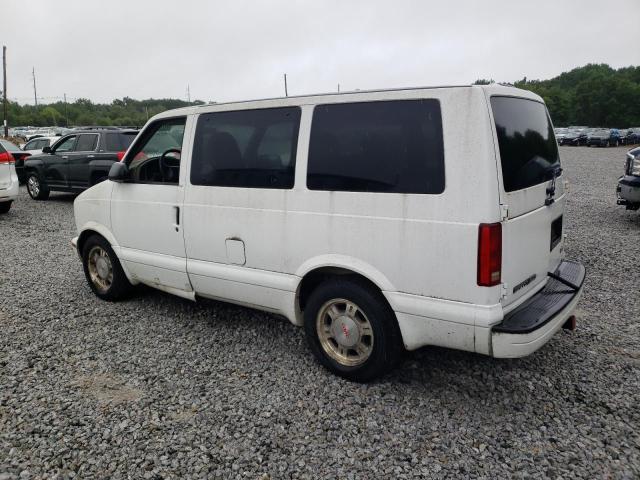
x=235, y=251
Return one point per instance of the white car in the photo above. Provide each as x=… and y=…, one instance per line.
x=379, y=221
x=35, y=146
x=8, y=180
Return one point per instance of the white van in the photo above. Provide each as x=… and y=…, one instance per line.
x=380, y=220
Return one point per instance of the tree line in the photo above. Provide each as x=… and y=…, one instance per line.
x=83, y=112
x=595, y=95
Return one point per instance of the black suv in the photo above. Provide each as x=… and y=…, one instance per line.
x=77, y=161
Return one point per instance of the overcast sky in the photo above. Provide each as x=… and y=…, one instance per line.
x=238, y=49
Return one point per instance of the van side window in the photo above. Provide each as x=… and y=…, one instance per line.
x=156, y=157
x=248, y=148
x=390, y=146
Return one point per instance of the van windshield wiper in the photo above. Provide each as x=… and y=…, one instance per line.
x=552, y=172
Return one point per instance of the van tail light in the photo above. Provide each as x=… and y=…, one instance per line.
x=6, y=157
x=121, y=155
x=489, y=254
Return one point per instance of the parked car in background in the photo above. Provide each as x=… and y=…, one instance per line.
x=628, y=190
x=603, y=137
x=560, y=134
x=573, y=138
x=35, y=146
x=41, y=132
x=76, y=161
x=19, y=132
x=9, y=184
x=18, y=155
x=319, y=208
x=631, y=136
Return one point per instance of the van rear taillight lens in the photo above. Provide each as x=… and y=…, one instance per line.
x=489, y=254
x=121, y=155
x=6, y=157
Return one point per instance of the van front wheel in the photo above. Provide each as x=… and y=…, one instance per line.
x=351, y=330
x=103, y=270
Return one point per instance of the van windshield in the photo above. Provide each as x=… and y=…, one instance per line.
x=528, y=148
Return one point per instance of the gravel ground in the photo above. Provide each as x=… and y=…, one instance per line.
x=159, y=387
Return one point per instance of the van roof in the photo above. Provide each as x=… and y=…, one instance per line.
x=293, y=100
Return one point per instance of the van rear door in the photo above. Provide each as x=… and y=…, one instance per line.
x=531, y=194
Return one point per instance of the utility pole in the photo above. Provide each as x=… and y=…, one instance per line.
x=4, y=89
x=188, y=94
x=66, y=116
x=338, y=88
x=35, y=96
x=286, y=93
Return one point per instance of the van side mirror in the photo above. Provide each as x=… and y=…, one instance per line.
x=46, y=150
x=119, y=172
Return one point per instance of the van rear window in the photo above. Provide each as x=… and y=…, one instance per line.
x=391, y=146
x=528, y=148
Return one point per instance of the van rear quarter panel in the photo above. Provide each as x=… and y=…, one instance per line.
x=418, y=244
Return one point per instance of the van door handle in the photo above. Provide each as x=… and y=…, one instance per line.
x=177, y=224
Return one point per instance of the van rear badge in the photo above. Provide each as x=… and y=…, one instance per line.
x=524, y=283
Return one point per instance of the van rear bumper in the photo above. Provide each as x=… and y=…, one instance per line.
x=532, y=324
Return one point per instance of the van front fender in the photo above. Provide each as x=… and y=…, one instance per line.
x=91, y=228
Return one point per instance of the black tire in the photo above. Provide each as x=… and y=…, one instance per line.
x=119, y=287
x=386, y=341
x=37, y=189
x=5, y=206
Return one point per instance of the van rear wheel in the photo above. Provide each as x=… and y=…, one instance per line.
x=351, y=329
x=103, y=270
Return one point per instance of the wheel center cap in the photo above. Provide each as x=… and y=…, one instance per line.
x=345, y=331
x=102, y=268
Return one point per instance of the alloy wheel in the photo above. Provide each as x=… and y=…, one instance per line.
x=33, y=185
x=100, y=268
x=344, y=331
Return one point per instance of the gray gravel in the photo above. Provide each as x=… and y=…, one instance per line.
x=158, y=387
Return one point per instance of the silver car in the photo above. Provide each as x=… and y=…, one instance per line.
x=628, y=191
